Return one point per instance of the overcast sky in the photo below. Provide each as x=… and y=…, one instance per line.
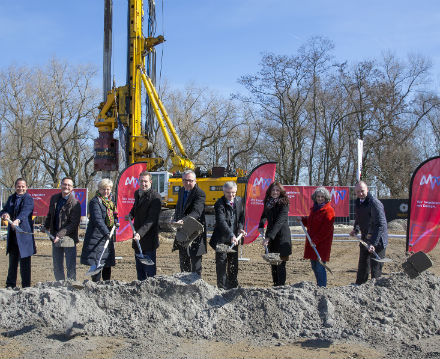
x=211, y=42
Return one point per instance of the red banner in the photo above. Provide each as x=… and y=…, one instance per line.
x=423, y=229
x=42, y=196
x=259, y=180
x=128, y=183
x=300, y=200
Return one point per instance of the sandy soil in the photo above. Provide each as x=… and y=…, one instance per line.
x=36, y=342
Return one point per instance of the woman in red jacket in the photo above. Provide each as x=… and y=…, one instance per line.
x=319, y=225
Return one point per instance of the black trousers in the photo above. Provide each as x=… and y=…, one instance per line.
x=25, y=270
x=190, y=263
x=367, y=264
x=226, y=266
x=279, y=274
x=106, y=274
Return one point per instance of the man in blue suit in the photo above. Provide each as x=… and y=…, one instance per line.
x=20, y=243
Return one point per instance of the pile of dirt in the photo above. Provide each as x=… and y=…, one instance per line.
x=390, y=309
x=397, y=225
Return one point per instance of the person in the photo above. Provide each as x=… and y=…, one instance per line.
x=146, y=211
x=103, y=217
x=229, y=223
x=20, y=243
x=191, y=202
x=277, y=237
x=370, y=220
x=63, y=220
x=319, y=225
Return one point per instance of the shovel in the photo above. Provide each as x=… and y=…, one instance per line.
x=17, y=228
x=314, y=248
x=95, y=269
x=272, y=258
x=377, y=258
x=224, y=248
x=143, y=258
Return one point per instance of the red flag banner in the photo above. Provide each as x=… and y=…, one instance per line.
x=300, y=200
x=258, y=182
x=423, y=230
x=128, y=183
x=42, y=196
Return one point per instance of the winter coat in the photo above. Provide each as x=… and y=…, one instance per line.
x=277, y=231
x=194, y=207
x=96, y=234
x=228, y=221
x=26, y=242
x=319, y=225
x=146, y=211
x=371, y=221
x=68, y=217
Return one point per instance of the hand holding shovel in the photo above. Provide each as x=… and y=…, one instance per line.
x=376, y=256
x=224, y=248
x=143, y=258
x=16, y=227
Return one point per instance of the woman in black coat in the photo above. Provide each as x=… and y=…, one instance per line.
x=277, y=237
x=103, y=217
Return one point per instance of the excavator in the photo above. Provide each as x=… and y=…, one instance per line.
x=122, y=110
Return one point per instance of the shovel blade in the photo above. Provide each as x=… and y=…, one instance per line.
x=144, y=259
x=325, y=266
x=93, y=270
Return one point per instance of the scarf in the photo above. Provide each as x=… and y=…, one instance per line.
x=111, y=209
x=317, y=206
x=271, y=202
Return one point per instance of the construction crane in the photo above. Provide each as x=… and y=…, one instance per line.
x=122, y=110
x=122, y=106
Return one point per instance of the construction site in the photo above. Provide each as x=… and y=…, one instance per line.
x=307, y=130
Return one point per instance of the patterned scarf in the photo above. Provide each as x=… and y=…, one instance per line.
x=271, y=202
x=111, y=208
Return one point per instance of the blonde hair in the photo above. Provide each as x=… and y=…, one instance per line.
x=104, y=183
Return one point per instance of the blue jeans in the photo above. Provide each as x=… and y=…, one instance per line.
x=58, y=254
x=320, y=273
x=143, y=271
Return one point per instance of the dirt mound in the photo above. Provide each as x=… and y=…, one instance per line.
x=389, y=309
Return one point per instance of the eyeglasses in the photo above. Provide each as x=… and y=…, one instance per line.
x=187, y=180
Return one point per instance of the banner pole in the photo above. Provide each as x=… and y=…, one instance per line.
x=360, y=150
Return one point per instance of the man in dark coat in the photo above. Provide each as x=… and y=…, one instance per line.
x=229, y=223
x=191, y=202
x=62, y=220
x=370, y=220
x=146, y=211
x=20, y=243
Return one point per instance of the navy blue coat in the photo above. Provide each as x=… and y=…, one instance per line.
x=371, y=221
x=96, y=234
x=26, y=242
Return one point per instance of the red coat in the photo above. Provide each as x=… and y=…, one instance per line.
x=319, y=225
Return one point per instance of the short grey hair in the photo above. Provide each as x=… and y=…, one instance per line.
x=323, y=191
x=104, y=183
x=187, y=172
x=229, y=185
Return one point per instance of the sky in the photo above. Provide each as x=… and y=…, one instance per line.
x=213, y=43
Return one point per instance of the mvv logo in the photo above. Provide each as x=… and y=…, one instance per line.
x=264, y=182
x=433, y=180
x=131, y=181
x=338, y=195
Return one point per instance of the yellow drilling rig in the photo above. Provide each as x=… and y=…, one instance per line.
x=122, y=110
